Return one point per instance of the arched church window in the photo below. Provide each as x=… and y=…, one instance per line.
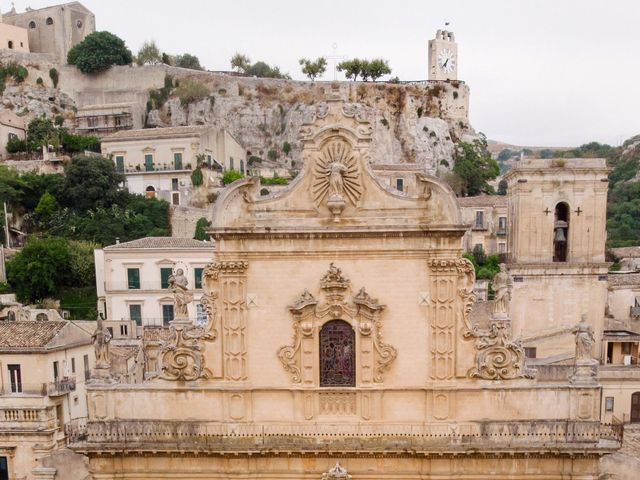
x=32, y=24
x=561, y=232
x=337, y=355
x=49, y=21
x=10, y=44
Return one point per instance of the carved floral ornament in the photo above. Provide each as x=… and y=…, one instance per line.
x=361, y=310
x=336, y=472
x=182, y=354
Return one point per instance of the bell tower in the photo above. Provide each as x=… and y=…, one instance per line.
x=556, y=250
x=443, y=56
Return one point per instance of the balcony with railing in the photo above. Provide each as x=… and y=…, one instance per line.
x=61, y=386
x=27, y=418
x=168, y=436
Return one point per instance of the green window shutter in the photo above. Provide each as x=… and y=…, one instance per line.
x=120, y=163
x=198, y=277
x=167, y=314
x=164, y=277
x=177, y=161
x=133, y=278
x=135, y=313
x=148, y=163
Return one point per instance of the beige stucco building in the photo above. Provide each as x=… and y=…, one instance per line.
x=159, y=161
x=340, y=329
x=44, y=367
x=13, y=37
x=487, y=217
x=132, y=279
x=54, y=30
x=11, y=125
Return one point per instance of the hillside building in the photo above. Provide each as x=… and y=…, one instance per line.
x=45, y=366
x=132, y=280
x=158, y=162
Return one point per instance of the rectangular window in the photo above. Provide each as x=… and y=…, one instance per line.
x=626, y=348
x=133, y=278
x=502, y=248
x=135, y=314
x=87, y=371
x=209, y=160
x=530, y=352
x=15, y=377
x=167, y=314
x=175, y=198
x=197, y=281
x=73, y=365
x=400, y=184
x=502, y=224
x=165, y=273
x=124, y=331
x=201, y=315
x=120, y=163
x=4, y=466
x=174, y=184
x=56, y=371
x=608, y=404
x=177, y=161
x=479, y=219
x=230, y=163
x=148, y=163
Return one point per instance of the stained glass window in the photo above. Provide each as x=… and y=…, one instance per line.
x=337, y=355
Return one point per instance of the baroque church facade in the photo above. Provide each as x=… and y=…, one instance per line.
x=344, y=340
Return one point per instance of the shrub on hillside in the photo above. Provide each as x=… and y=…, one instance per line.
x=99, y=51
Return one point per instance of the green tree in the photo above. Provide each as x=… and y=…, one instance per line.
x=188, y=61
x=240, y=63
x=149, y=54
x=231, y=176
x=16, y=144
x=313, y=69
x=91, y=182
x=264, y=70
x=40, y=269
x=46, y=206
x=505, y=154
x=99, y=51
x=81, y=263
x=201, y=226
x=54, y=76
x=351, y=68
x=475, y=167
x=196, y=177
x=168, y=59
x=42, y=132
x=375, y=68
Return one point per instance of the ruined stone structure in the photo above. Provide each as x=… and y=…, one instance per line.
x=340, y=344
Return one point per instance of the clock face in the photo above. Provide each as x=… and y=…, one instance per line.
x=446, y=60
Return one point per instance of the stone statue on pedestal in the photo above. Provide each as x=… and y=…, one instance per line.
x=502, y=287
x=101, y=338
x=181, y=296
x=585, y=366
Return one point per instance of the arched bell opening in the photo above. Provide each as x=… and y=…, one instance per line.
x=561, y=232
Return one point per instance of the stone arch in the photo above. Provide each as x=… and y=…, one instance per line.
x=337, y=354
x=10, y=44
x=49, y=21
x=32, y=24
x=150, y=191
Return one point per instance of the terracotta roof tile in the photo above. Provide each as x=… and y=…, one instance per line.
x=28, y=334
x=162, y=242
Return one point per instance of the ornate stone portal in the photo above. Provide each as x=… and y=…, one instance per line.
x=361, y=311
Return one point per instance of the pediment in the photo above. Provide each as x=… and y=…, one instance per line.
x=336, y=188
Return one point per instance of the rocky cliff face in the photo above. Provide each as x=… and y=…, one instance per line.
x=412, y=123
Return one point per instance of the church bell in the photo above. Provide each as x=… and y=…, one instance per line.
x=560, y=236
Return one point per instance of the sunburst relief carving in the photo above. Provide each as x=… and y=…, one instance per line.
x=336, y=174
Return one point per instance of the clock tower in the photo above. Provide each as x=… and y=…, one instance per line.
x=443, y=56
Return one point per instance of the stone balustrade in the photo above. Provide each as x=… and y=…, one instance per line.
x=27, y=419
x=317, y=437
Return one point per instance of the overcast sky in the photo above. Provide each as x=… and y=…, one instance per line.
x=543, y=72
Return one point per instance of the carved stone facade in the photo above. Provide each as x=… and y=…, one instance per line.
x=362, y=312
x=342, y=328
